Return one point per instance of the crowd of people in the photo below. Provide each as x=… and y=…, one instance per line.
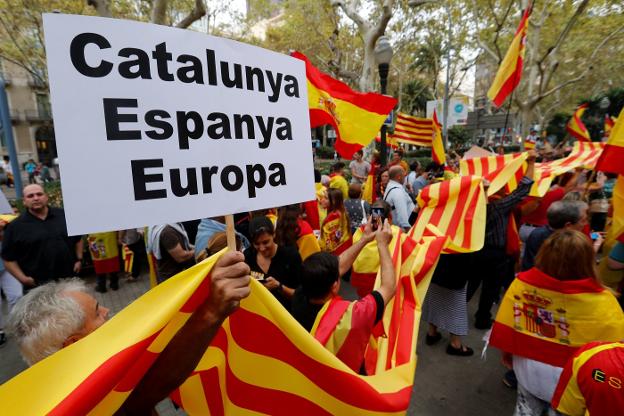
x=301, y=252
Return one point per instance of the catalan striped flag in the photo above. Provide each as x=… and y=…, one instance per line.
x=437, y=145
x=454, y=208
x=584, y=154
x=510, y=70
x=608, y=125
x=500, y=170
x=355, y=116
x=128, y=258
x=612, y=158
x=575, y=127
x=547, y=320
x=366, y=265
x=412, y=130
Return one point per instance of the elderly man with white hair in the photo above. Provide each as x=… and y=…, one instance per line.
x=403, y=208
x=53, y=316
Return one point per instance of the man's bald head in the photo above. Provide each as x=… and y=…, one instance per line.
x=35, y=199
x=396, y=173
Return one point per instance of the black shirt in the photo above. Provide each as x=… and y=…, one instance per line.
x=533, y=244
x=167, y=265
x=41, y=248
x=285, y=267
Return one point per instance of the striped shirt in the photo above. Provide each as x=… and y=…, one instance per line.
x=498, y=213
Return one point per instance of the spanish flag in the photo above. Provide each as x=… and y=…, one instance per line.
x=576, y=127
x=437, y=145
x=591, y=382
x=612, y=158
x=356, y=117
x=306, y=241
x=510, y=70
x=547, y=320
x=335, y=233
x=104, y=252
x=608, y=125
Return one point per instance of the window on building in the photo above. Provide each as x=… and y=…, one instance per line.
x=43, y=105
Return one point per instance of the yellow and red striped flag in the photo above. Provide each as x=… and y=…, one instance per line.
x=355, y=116
x=584, y=154
x=454, y=208
x=608, y=125
x=437, y=145
x=575, y=127
x=510, y=70
x=412, y=130
x=128, y=258
x=547, y=320
x=499, y=170
x=612, y=158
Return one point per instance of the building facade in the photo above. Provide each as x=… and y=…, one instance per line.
x=31, y=116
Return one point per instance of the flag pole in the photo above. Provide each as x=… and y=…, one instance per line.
x=230, y=232
x=507, y=118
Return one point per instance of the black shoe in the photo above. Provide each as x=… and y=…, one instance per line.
x=100, y=288
x=462, y=351
x=2, y=338
x=114, y=283
x=433, y=339
x=483, y=323
x=510, y=379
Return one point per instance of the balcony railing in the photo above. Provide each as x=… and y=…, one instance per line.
x=37, y=115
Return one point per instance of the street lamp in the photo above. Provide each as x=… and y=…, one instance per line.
x=383, y=56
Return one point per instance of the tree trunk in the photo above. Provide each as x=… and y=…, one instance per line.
x=367, y=78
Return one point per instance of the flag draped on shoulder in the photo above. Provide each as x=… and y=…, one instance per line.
x=454, y=208
x=510, y=70
x=437, y=146
x=612, y=158
x=547, y=320
x=575, y=127
x=608, y=125
x=355, y=116
x=499, y=170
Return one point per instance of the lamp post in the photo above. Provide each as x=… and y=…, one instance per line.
x=383, y=56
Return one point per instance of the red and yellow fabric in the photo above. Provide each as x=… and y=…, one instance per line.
x=355, y=116
x=335, y=233
x=104, y=252
x=7, y=217
x=547, y=320
x=510, y=71
x=339, y=182
x=412, y=130
x=529, y=143
x=584, y=154
x=608, y=125
x=391, y=142
x=575, y=127
x=307, y=242
x=500, y=170
x=128, y=258
x=454, y=208
x=437, y=144
x=344, y=328
x=592, y=381
x=366, y=265
x=613, y=154
x=368, y=190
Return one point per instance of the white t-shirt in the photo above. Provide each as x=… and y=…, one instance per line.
x=538, y=378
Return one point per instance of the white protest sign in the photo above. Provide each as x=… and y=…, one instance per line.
x=155, y=124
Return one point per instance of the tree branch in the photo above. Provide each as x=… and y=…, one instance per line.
x=386, y=15
x=587, y=66
x=198, y=12
x=350, y=9
x=102, y=7
x=159, y=12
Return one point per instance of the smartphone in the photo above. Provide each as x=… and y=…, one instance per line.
x=594, y=236
x=377, y=215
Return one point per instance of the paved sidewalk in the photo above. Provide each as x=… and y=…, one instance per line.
x=443, y=385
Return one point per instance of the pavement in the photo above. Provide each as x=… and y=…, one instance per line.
x=443, y=384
